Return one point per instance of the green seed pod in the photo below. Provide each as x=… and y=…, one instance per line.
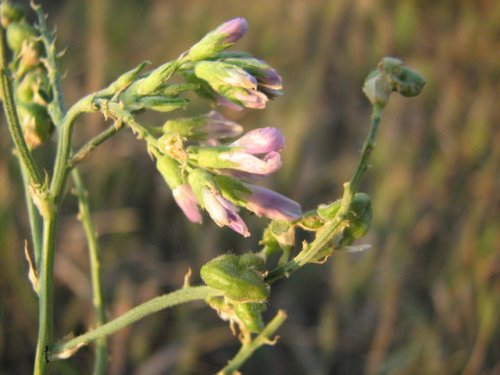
x=328, y=211
x=236, y=282
x=359, y=218
x=18, y=33
x=10, y=12
x=252, y=261
x=36, y=123
x=250, y=316
x=311, y=220
x=34, y=87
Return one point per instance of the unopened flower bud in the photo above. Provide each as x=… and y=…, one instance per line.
x=260, y=141
x=209, y=126
x=222, y=211
x=219, y=39
x=219, y=74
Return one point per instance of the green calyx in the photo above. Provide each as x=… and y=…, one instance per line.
x=240, y=278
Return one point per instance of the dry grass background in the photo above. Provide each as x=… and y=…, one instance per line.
x=424, y=300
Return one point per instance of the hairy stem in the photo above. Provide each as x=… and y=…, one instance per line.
x=62, y=350
x=46, y=294
x=248, y=349
x=29, y=165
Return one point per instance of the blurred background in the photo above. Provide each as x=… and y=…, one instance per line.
x=424, y=300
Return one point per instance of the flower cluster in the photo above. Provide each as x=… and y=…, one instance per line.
x=216, y=177
x=232, y=79
x=201, y=159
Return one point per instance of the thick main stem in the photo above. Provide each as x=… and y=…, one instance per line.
x=46, y=294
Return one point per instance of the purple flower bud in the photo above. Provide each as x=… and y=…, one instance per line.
x=223, y=102
x=219, y=39
x=233, y=29
x=186, y=200
x=217, y=126
x=260, y=141
x=246, y=162
x=223, y=212
x=268, y=203
x=251, y=98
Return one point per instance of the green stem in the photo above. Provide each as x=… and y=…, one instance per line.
x=56, y=108
x=323, y=236
x=34, y=175
x=46, y=294
x=101, y=351
x=248, y=349
x=61, y=350
x=61, y=167
x=34, y=219
x=87, y=149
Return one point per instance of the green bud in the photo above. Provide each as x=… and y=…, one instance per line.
x=170, y=169
x=155, y=81
x=200, y=179
x=236, y=281
x=250, y=316
x=18, y=33
x=126, y=79
x=10, y=12
x=36, y=123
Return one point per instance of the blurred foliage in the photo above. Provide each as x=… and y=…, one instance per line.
x=424, y=300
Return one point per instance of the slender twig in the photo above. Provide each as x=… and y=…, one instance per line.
x=101, y=351
x=84, y=152
x=248, y=349
x=61, y=350
x=34, y=218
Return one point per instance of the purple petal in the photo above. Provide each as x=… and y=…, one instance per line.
x=260, y=141
x=223, y=212
x=234, y=29
x=224, y=102
x=185, y=199
x=268, y=203
x=219, y=127
x=248, y=163
x=251, y=98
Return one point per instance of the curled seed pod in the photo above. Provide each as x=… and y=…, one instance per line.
x=237, y=282
x=252, y=261
x=329, y=211
x=360, y=216
x=250, y=315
